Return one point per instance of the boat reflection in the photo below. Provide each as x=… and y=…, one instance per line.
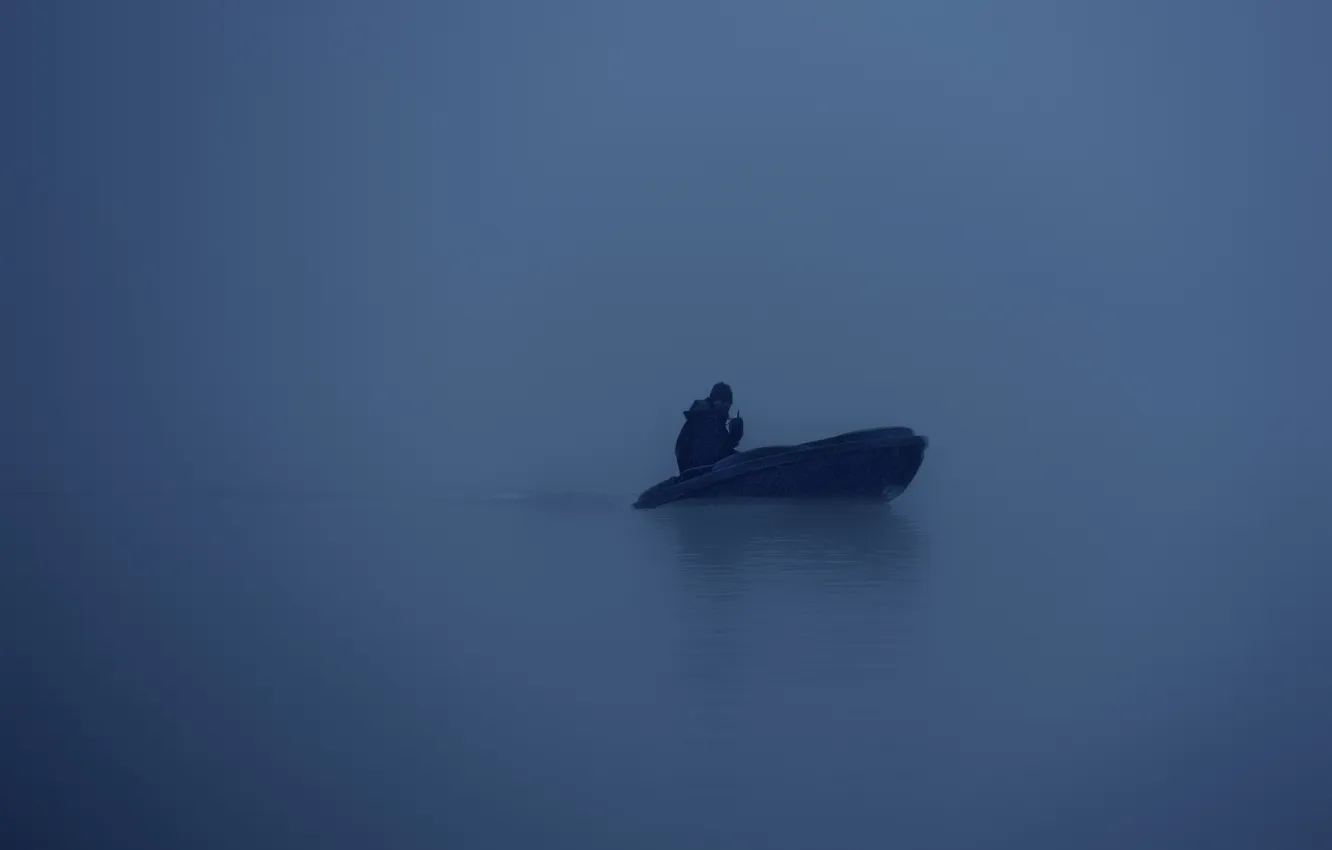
x=791, y=590
x=819, y=535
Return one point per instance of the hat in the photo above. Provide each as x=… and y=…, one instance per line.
x=721, y=391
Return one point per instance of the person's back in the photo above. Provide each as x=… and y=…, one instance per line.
x=708, y=435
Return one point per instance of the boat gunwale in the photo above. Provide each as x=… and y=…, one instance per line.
x=796, y=454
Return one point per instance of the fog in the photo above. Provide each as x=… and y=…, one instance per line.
x=421, y=255
x=494, y=246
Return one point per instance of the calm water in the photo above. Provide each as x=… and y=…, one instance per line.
x=1080, y=669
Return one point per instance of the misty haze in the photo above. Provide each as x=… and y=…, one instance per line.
x=341, y=338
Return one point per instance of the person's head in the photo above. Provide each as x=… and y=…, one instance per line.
x=720, y=397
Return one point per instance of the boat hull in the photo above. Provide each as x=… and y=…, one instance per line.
x=878, y=464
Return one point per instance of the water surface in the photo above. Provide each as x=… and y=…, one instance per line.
x=410, y=670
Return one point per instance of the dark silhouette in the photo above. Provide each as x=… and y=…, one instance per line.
x=709, y=433
x=878, y=463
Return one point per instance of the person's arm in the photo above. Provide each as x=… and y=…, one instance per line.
x=736, y=429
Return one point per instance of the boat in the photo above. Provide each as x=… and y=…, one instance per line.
x=878, y=463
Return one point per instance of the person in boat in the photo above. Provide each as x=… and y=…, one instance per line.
x=709, y=433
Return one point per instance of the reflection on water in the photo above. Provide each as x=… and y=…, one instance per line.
x=791, y=591
x=365, y=673
x=816, y=537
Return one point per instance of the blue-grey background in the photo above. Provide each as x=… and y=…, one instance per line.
x=339, y=336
